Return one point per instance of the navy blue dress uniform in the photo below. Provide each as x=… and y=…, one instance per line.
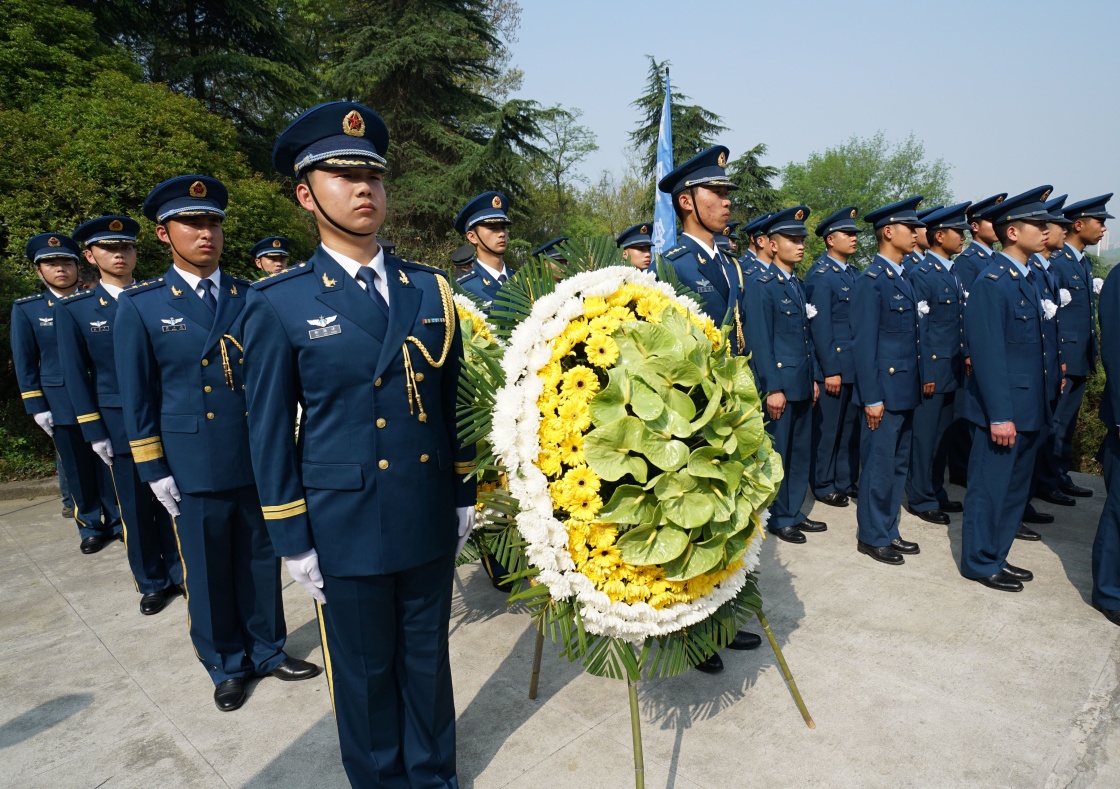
x=713, y=275
x=749, y=261
x=1004, y=317
x=486, y=208
x=374, y=483
x=829, y=287
x=782, y=361
x=273, y=246
x=916, y=257
x=179, y=367
x=726, y=237
x=86, y=337
x=42, y=385
x=551, y=250
x=635, y=236
x=1077, y=336
x=1106, y=545
x=885, y=345
x=942, y=340
x=977, y=256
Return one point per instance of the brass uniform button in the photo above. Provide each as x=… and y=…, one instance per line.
x=377, y=382
x=838, y=349
x=891, y=371
x=423, y=458
x=205, y=362
x=241, y=361
x=381, y=423
x=383, y=464
x=207, y=389
x=935, y=357
x=419, y=377
x=779, y=365
x=209, y=414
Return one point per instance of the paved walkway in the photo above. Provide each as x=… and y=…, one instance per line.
x=915, y=678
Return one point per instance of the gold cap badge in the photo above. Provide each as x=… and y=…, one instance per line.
x=116, y=225
x=722, y=160
x=496, y=202
x=354, y=124
x=53, y=241
x=198, y=189
x=1046, y=194
x=799, y=215
x=644, y=230
x=919, y=205
x=727, y=231
x=852, y=214
x=999, y=200
x=276, y=243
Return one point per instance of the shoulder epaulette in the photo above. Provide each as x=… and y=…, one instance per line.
x=925, y=267
x=769, y=275
x=281, y=276
x=467, y=277
x=77, y=295
x=423, y=267
x=872, y=272
x=675, y=252
x=26, y=299
x=146, y=285
x=242, y=281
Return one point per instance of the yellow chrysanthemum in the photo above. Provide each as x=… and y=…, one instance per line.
x=615, y=590
x=636, y=593
x=571, y=450
x=577, y=331
x=580, y=381
x=585, y=510
x=550, y=376
x=602, y=351
x=561, y=347
x=602, y=536
x=583, y=479
x=548, y=403
x=605, y=556
x=621, y=314
x=604, y=324
x=549, y=463
x=576, y=414
x=593, y=306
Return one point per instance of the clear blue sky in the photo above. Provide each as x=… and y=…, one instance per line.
x=1010, y=94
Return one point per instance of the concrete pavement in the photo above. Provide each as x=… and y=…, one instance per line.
x=915, y=677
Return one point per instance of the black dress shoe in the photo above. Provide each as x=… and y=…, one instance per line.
x=1027, y=534
x=955, y=479
x=96, y=543
x=1018, y=573
x=293, y=670
x=789, y=534
x=1055, y=497
x=154, y=602
x=745, y=640
x=885, y=553
x=931, y=516
x=1077, y=490
x=834, y=499
x=905, y=546
x=713, y=665
x=952, y=506
x=811, y=526
x=1111, y=616
x=1001, y=581
x=68, y=512
x=1034, y=516
x=230, y=694
x=852, y=491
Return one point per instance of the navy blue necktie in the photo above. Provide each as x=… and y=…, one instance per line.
x=367, y=275
x=502, y=278
x=208, y=295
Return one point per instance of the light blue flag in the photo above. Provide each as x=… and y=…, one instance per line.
x=664, y=218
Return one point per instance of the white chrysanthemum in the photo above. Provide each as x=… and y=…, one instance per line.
x=923, y=308
x=811, y=311
x=1049, y=309
x=1064, y=296
x=1098, y=283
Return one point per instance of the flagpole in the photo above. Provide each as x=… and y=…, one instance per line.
x=664, y=218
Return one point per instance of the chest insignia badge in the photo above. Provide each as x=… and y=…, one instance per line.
x=99, y=326
x=173, y=324
x=327, y=327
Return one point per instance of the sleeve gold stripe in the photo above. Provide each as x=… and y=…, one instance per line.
x=84, y=418
x=464, y=466
x=143, y=454
x=281, y=511
x=32, y=393
x=143, y=442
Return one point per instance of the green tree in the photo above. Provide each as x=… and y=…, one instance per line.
x=565, y=143
x=864, y=172
x=756, y=193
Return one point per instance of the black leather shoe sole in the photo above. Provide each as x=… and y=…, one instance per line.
x=931, y=516
x=1001, y=581
x=1037, y=517
x=95, y=544
x=885, y=554
x=1027, y=534
x=952, y=506
x=1056, y=497
x=1018, y=573
x=293, y=670
x=811, y=526
x=712, y=665
x=1111, y=616
x=154, y=602
x=1078, y=491
x=789, y=534
x=905, y=546
x=230, y=694
x=744, y=640
x=834, y=499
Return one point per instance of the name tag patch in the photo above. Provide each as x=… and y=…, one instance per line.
x=326, y=331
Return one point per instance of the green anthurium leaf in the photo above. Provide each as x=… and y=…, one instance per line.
x=714, y=398
x=608, y=450
x=680, y=402
x=706, y=462
x=670, y=424
x=609, y=403
x=722, y=527
x=644, y=401
x=735, y=548
x=652, y=339
x=629, y=354
x=665, y=453
x=648, y=545
x=748, y=434
x=676, y=371
x=732, y=473
x=743, y=510
x=628, y=504
x=691, y=510
x=743, y=380
x=701, y=558
x=723, y=506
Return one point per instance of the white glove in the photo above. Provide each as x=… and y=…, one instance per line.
x=810, y=311
x=1064, y=296
x=44, y=420
x=923, y=308
x=168, y=494
x=1049, y=309
x=104, y=450
x=1098, y=283
x=466, y=526
x=304, y=569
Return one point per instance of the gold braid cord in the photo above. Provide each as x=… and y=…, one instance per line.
x=448, y=336
x=738, y=321
x=226, y=369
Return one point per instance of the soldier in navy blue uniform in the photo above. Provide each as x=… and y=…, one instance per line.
x=43, y=388
x=700, y=189
x=375, y=501
x=828, y=287
x=637, y=246
x=727, y=239
x=179, y=353
x=85, y=325
x=885, y=344
x=757, y=257
x=1077, y=332
x=1005, y=399
x=782, y=363
x=942, y=334
x=977, y=256
x=1106, y=545
x=271, y=254
x=485, y=223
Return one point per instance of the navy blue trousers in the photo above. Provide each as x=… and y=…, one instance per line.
x=999, y=481
x=89, y=482
x=836, y=438
x=792, y=437
x=232, y=578
x=1065, y=425
x=884, y=455
x=149, y=539
x=960, y=442
x=1046, y=476
x=385, y=645
x=925, y=483
x=1106, y=546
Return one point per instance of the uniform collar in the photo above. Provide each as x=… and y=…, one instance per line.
x=1076, y=254
x=352, y=266
x=894, y=266
x=493, y=272
x=983, y=246
x=1022, y=269
x=948, y=264
x=1042, y=260
x=837, y=262
x=194, y=280
x=713, y=253
x=113, y=290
